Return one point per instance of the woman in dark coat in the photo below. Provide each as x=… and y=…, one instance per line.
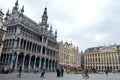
x=58, y=72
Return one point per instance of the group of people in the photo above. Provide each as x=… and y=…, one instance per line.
x=60, y=72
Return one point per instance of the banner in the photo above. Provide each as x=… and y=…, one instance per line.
x=14, y=57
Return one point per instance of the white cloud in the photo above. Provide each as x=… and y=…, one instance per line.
x=86, y=22
x=101, y=37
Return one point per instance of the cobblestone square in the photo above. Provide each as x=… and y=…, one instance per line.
x=52, y=76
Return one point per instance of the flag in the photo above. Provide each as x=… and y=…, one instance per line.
x=14, y=57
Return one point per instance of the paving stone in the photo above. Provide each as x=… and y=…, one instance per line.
x=52, y=76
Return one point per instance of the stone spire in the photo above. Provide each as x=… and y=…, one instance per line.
x=22, y=10
x=55, y=33
x=51, y=29
x=15, y=8
x=44, y=17
x=7, y=15
x=16, y=5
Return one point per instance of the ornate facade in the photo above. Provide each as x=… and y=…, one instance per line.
x=102, y=58
x=68, y=55
x=2, y=31
x=29, y=44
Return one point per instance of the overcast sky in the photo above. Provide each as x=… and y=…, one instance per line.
x=87, y=23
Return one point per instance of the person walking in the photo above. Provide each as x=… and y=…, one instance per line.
x=62, y=71
x=106, y=72
x=58, y=72
x=42, y=73
x=85, y=73
x=20, y=70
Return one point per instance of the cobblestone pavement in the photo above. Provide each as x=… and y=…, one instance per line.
x=52, y=76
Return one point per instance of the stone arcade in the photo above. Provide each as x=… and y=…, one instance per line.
x=29, y=44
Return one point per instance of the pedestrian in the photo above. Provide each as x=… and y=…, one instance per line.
x=62, y=71
x=20, y=70
x=106, y=72
x=42, y=73
x=58, y=72
x=85, y=74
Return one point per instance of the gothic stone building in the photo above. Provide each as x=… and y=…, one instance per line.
x=29, y=44
x=69, y=55
x=2, y=31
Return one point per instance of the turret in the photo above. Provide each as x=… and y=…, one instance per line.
x=55, y=33
x=22, y=10
x=7, y=15
x=51, y=29
x=44, y=17
x=15, y=8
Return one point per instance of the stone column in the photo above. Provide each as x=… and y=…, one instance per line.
x=36, y=48
x=26, y=44
x=112, y=60
x=23, y=62
x=35, y=63
x=41, y=49
x=45, y=63
x=40, y=64
x=29, y=67
x=23, y=44
x=31, y=47
x=5, y=58
x=8, y=45
x=100, y=62
x=115, y=60
x=118, y=60
x=8, y=59
x=103, y=61
x=52, y=65
x=15, y=43
x=48, y=65
x=11, y=43
x=42, y=39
